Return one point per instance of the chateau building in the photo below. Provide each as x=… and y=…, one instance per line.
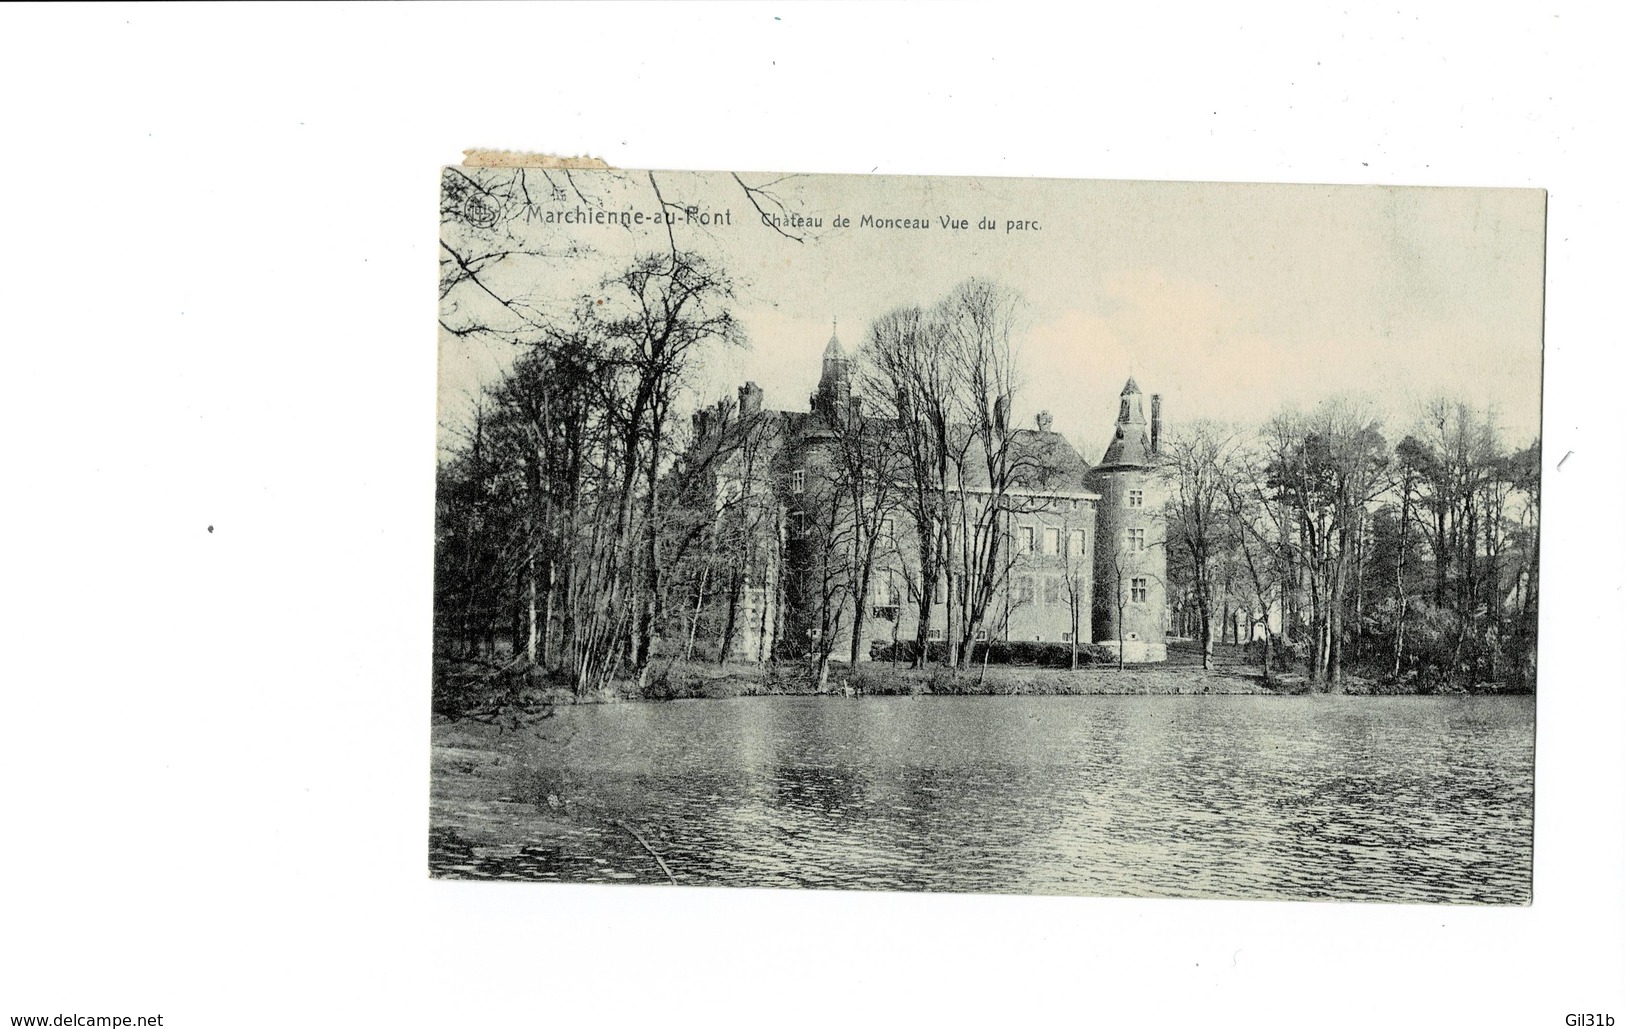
x=1080, y=552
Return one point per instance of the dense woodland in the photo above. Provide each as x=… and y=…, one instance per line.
x=1414, y=562
x=588, y=530
x=587, y=536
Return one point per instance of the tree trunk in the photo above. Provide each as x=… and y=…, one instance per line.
x=725, y=646
x=1074, y=665
x=922, y=625
x=927, y=594
x=546, y=655
x=860, y=605
x=694, y=620
x=1205, y=617
x=894, y=624
x=531, y=612
x=1120, y=608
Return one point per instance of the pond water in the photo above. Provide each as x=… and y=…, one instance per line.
x=1418, y=799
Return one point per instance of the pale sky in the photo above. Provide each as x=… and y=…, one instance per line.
x=1230, y=300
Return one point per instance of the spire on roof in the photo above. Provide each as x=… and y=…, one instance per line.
x=1130, y=443
x=834, y=350
x=835, y=385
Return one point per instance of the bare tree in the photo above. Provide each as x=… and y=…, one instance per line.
x=1192, y=458
x=871, y=472
x=909, y=377
x=1325, y=469
x=1255, y=534
x=977, y=323
x=1079, y=568
x=822, y=546
x=655, y=315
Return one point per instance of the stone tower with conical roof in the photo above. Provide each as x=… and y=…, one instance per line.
x=834, y=396
x=1131, y=554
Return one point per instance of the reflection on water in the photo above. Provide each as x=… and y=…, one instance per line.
x=1361, y=798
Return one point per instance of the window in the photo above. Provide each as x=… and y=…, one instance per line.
x=1052, y=590
x=1038, y=639
x=933, y=634
x=1074, y=503
x=1024, y=589
x=981, y=634
x=1136, y=539
x=1074, y=544
x=1024, y=539
x=798, y=481
x=1136, y=498
x=798, y=522
x=1052, y=541
x=1066, y=637
x=1137, y=590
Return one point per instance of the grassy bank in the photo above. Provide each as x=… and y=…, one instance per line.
x=712, y=681
x=531, y=692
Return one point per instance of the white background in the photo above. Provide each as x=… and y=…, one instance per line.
x=218, y=286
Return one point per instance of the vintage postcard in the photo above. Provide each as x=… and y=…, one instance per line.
x=987, y=535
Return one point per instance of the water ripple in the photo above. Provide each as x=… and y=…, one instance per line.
x=1392, y=799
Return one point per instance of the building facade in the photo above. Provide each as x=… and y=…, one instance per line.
x=1079, y=553
x=1131, y=557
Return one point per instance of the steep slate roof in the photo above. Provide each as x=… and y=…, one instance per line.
x=1046, y=461
x=1130, y=445
x=1131, y=439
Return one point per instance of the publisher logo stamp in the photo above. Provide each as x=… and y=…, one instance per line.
x=479, y=211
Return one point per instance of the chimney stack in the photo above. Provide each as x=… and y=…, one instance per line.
x=1044, y=421
x=1156, y=423
x=750, y=400
x=1001, y=413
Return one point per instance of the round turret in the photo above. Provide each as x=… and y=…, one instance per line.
x=1131, y=559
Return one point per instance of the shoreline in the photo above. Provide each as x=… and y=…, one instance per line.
x=526, y=698
x=485, y=689
x=702, y=682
